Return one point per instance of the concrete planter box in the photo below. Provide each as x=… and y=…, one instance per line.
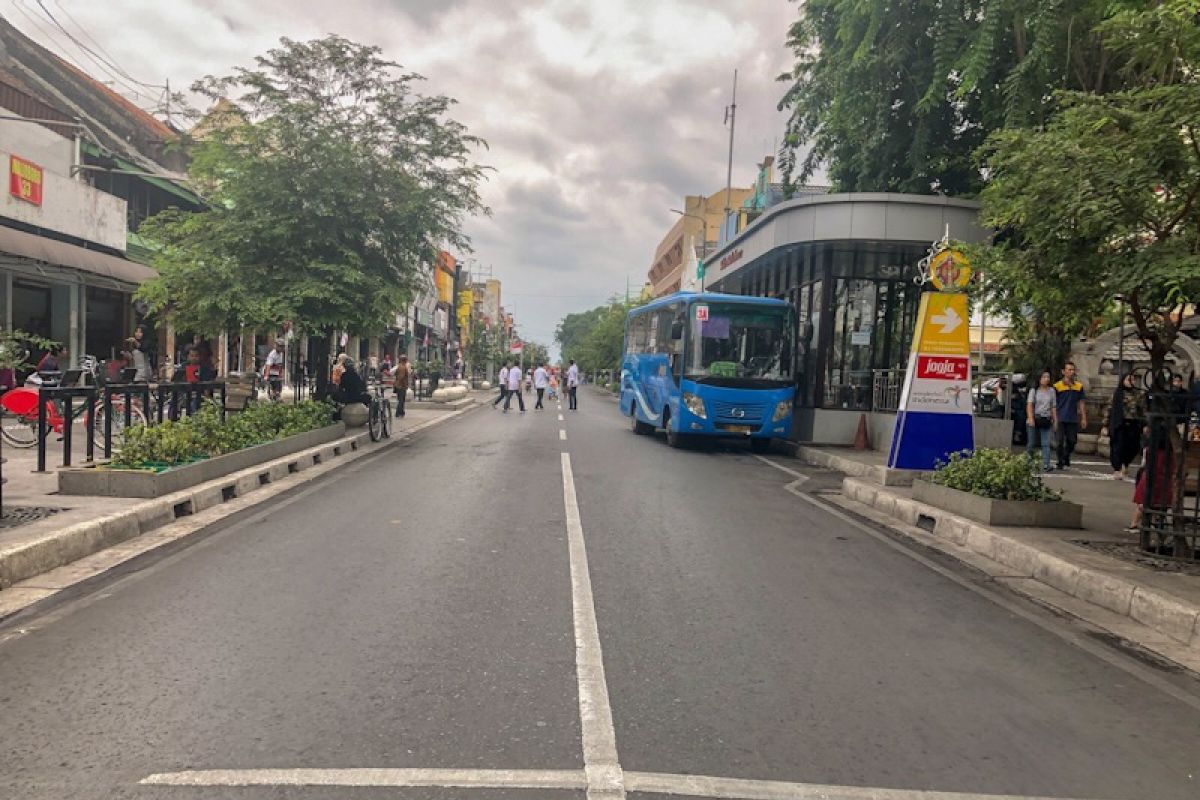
x=1019, y=513
x=145, y=484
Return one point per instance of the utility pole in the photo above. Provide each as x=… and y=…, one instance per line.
x=731, y=118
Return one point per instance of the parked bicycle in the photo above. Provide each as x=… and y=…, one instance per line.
x=379, y=416
x=19, y=411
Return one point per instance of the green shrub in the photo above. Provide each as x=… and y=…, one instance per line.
x=998, y=474
x=204, y=435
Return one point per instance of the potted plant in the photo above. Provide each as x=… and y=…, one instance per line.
x=997, y=487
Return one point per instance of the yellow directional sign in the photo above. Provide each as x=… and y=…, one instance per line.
x=943, y=325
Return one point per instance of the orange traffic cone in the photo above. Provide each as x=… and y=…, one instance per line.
x=862, y=440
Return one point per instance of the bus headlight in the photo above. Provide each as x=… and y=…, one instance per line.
x=695, y=405
x=782, y=409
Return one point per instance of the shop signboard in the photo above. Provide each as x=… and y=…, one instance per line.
x=935, y=417
x=25, y=180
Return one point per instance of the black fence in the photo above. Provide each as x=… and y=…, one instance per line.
x=1168, y=488
x=57, y=411
x=119, y=406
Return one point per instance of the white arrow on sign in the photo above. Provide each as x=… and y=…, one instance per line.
x=949, y=320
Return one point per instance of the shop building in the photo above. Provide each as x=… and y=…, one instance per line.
x=847, y=263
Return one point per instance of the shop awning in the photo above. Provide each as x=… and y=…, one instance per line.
x=56, y=253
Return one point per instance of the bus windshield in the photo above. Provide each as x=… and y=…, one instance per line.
x=739, y=345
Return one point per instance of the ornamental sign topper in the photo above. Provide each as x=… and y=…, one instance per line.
x=949, y=270
x=25, y=180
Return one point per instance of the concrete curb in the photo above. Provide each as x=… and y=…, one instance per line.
x=20, y=562
x=820, y=457
x=1161, y=612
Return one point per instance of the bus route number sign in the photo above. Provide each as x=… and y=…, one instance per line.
x=702, y=313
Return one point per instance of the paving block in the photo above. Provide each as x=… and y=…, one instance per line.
x=1057, y=573
x=981, y=540
x=1105, y=591
x=1164, y=613
x=1018, y=557
x=154, y=514
x=953, y=529
x=207, y=497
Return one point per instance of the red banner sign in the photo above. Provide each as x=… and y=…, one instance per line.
x=25, y=180
x=943, y=368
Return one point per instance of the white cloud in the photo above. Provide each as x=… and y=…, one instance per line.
x=601, y=115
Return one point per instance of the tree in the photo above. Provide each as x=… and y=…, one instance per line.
x=574, y=328
x=536, y=354
x=1105, y=200
x=898, y=96
x=328, y=192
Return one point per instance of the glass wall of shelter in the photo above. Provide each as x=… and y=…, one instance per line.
x=856, y=304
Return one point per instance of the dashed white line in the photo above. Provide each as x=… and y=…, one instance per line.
x=604, y=778
x=562, y=434
x=560, y=417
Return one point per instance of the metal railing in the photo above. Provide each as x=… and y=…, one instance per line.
x=127, y=391
x=192, y=393
x=63, y=398
x=1168, y=484
x=886, y=388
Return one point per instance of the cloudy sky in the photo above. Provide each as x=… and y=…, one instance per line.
x=600, y=114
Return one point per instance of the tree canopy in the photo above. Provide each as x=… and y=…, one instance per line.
x=898, y=96
x=329, y=185
x=1104, y=201
x=594, y=338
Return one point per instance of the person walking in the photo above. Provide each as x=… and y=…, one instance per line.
x=1041, y=415
x=573, y=385
x=1072, y=413
x=502, y=379
x=514, y=388
x=273, y=370
x=1124, y=426
x=400, y=378
x=541, y=379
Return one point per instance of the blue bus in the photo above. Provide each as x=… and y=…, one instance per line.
x=709, y=364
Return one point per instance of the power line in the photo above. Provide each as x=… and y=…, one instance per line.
x=99, y=46
x=120, y=71
x=65, y=52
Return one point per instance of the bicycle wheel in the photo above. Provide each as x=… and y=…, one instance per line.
x=386, y=414
x=136, y=417
x=374, y=423
x=18, y=430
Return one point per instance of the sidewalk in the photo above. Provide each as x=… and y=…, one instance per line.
x=1097, y=574
x=43, y=530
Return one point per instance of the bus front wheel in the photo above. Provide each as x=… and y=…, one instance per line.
x=640, y=428
x=676, y=439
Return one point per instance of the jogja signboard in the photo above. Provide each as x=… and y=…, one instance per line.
x=935, y=417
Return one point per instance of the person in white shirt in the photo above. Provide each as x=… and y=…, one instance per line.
x=514, y=388
x=541, y=379
x=573, y=385
x=502, y=379
x=273, y=370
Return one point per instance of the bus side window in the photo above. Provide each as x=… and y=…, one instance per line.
x=639, y=333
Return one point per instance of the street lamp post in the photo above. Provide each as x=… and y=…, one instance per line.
x=704, y=240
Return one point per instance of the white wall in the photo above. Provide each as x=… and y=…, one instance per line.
x=68, y=206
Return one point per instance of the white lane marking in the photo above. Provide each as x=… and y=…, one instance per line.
x=648, y=782
x=604, y=779
x=560, y=417
x=794, y=486
x=562, y=434
x=799, y=476
x=743, y=789
x=459, y=778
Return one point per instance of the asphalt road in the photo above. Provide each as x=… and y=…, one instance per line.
x=435, y=608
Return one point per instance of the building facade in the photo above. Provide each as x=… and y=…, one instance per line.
x=693, y=234
x=847, y=263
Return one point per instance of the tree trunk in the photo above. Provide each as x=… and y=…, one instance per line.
x=320, y=364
